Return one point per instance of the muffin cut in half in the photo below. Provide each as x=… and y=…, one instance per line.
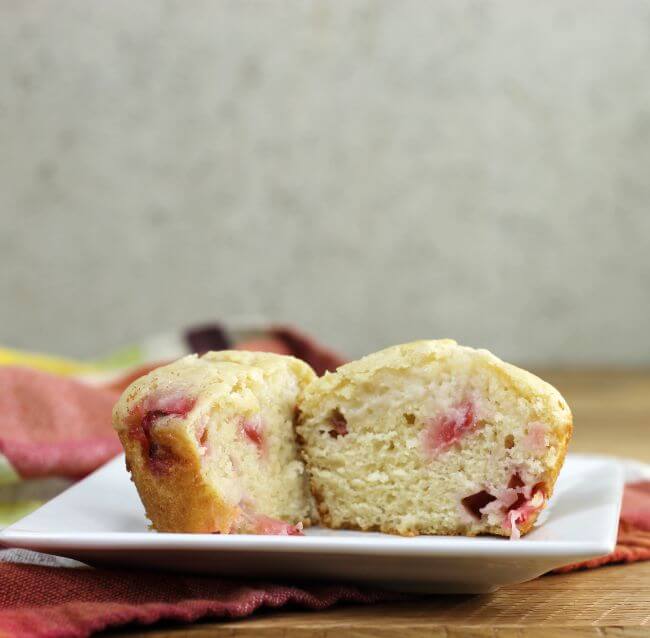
x=433, y=438
x=210, y=443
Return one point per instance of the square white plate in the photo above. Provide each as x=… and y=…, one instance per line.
x=100, y=520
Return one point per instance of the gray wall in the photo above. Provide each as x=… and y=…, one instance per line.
x=372, y=171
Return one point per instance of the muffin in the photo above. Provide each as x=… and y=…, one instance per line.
x=432, y=438
x=210, y=443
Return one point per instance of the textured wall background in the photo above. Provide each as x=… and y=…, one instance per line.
x=373, y=171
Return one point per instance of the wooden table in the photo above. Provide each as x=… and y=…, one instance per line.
x=611, y=415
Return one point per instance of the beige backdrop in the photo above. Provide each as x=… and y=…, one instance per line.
x=372, y=171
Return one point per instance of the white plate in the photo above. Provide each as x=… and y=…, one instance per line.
x=100, y=520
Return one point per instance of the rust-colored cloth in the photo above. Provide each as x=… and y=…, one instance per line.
x=52, y=426
x=51, y=602
x=633, y=531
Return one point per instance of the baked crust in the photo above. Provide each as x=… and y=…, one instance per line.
x=177, y=500
x=175, y=487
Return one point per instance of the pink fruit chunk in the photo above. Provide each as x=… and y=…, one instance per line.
x=253, y=429
x=268, y=525
x=515, y=503
x=520, y=512
x=475, y=503
x=535, y=440
x=339, y=425
x=144, y=419
x=250, y=522
x=443, y=431
x=515, y=481
x=177, y=403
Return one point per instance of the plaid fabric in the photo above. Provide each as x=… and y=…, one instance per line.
x=55, y=414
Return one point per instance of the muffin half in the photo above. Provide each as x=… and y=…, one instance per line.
x=210, y=443
x=433, y=438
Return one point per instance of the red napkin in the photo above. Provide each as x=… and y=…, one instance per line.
x=56, y=426
x=47, y=602
x=53, y=426
x=633, y=531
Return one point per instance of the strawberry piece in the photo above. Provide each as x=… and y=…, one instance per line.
x=268, y=525
x=521, y=511
x=143, y=422
x=515, y=481
x=535, y=440
x=250, y=522
x=253, y=430
x=474, y=503
x=444, y=431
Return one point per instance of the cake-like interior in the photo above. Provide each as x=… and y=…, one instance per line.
x=210, y=443
x=433, y=438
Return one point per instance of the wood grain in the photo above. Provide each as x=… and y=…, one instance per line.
x=612, y=416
